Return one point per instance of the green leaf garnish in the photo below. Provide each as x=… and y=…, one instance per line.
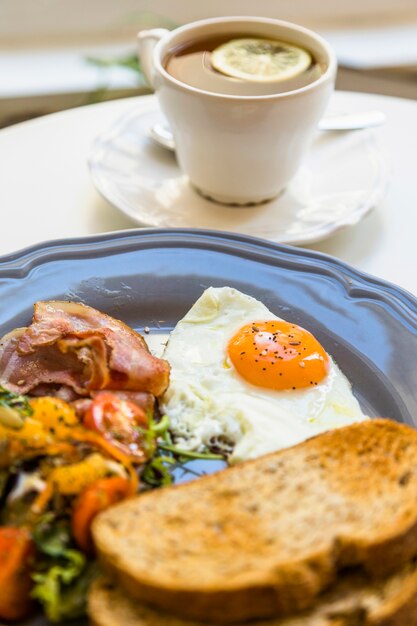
x=61, y=574
x=189, y=454
x=13, y=409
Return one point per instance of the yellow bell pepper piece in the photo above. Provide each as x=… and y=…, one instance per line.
x=70, y=480
x=54, y=414
x=53, y=421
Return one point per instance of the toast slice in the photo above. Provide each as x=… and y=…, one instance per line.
x=353, y=601
x=265, y=538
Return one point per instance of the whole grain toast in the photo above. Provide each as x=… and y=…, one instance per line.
x=265, y=538
x=354, y=600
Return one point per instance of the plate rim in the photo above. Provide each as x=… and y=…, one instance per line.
x=17, y=265
x=356, y=283
x=313, y=235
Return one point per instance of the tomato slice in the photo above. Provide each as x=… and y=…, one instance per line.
x=118, y=421
x=95, y=498
x=16, y=553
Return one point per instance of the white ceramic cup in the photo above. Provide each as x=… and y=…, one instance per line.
x=238, y=149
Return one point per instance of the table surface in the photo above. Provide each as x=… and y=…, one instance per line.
x=46, y=191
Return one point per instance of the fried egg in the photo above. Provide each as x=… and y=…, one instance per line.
x=244, y=380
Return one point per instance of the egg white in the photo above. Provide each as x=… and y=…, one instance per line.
x=208, y=401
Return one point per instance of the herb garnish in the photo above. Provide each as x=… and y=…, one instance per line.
x=165, y=455
x=13, y=409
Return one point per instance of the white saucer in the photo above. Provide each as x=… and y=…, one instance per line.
x=342, y=178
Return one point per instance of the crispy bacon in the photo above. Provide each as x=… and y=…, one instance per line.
x=75, y=346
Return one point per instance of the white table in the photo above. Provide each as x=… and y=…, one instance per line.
x=46, y=192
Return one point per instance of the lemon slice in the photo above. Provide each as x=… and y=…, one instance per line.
x=260, y=60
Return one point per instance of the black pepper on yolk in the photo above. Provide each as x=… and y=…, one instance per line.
x=278, y=355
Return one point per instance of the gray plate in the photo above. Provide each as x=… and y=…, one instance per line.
x=151, y=278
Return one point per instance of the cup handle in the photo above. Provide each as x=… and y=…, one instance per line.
x=147, y=39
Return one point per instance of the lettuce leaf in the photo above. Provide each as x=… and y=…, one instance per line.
x=52, y=535
x=62, y=589
x=61, y=575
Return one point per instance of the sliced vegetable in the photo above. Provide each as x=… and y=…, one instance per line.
x=51, y=535
x=156, y=472
x=10, y=418
x=54, y=414
x=16, y=553
x=51, y=424
x=97, y=440
x=120, y=422
x=15, y=401
x=62, y=590
x=95, y=498
x=31, y=436
x=189, y=454
x=70, y=480
x=61, y=574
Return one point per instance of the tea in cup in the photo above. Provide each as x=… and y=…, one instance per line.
x=243, y=97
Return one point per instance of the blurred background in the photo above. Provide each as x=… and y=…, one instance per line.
x=58, y=54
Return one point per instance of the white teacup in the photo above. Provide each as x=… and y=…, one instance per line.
x=238, y=149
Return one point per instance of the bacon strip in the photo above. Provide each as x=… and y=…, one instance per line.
x=76, y=346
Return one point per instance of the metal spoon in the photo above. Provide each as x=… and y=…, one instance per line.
x=162, y=135
x=352, y=121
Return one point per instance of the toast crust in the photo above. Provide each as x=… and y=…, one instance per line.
x=355, y=600
x=265, y=538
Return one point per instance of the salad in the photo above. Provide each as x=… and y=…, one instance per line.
x=79, y=432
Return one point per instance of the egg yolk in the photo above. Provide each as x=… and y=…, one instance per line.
x=278, y=355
